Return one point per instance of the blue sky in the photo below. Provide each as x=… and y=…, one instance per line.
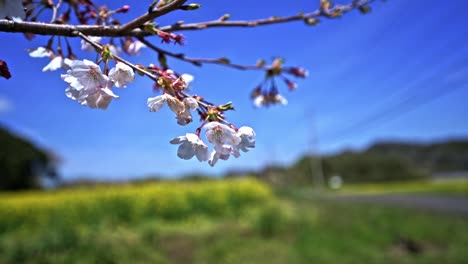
x=400, y=72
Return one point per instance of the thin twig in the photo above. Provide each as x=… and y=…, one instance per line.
x=264, y=21
x=199, y=62
x=131, y=65
x=139, y=21
x=55, y=10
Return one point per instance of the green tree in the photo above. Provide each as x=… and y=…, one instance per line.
x=22, y=164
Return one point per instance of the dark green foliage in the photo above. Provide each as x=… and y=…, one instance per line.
x=391, y=161
x=365, y=167
x=22, y=164
x=270, y=221
x=436, y=157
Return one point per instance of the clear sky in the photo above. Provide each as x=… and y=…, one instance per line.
x=400, y=72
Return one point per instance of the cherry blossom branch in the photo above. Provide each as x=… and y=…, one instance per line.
x=125, y=30
x=116, y=57
x=152, y=14
x=131, y=65
x=199, y=61
x=268, y=21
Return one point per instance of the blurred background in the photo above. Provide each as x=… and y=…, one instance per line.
x=367, y=164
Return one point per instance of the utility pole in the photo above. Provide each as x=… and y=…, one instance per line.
x=315, y=160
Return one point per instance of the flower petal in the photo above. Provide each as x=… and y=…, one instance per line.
x=178, y=140
x=54, y=64
x=40, y=52
x=191, y=102
x=202, y=153
x=156, y=103
x=108, y=92
x=213, y=158
x=187, y=78
x=185, y=151
x=121, y=74
x=175, y=105
x=97, y=100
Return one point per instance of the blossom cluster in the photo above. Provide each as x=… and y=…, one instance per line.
x=59, y=61
x=266, y=93
x=90, y=87
x=226, y=141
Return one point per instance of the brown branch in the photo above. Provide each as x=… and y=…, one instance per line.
x=66, y=30
x=199, y=61
x=265, y=21
x=139, y=21
x=118, y=31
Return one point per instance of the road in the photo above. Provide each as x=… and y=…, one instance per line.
x=456, y=205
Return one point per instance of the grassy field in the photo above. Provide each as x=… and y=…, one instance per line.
x=232, y=221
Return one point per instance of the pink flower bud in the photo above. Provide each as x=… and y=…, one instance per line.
x=291, y=85
x=298, y=72
x=123, y=9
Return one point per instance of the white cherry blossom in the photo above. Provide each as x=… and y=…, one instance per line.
x=40, y=52
x=121, y=74
x=134, y=47
x=191, y=102
x=220, y=152
x=97, y=98
x=175, y=105
x=191, y=145
x=58, y=62
x=85, y=75
x=185, y=117
x=88, y=85
x=100, y=99
x=226, y=142
x=187, y=78
x=220, y=134
x=156, y=103
x=247, y=135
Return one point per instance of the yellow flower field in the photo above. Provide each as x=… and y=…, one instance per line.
x=129, y=203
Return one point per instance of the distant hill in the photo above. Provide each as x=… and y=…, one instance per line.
x=22, y=164
x=435, y=157
x=385, y=161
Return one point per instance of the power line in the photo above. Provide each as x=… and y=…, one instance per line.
x=403, y=107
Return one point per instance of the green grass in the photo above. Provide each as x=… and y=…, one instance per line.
x=291, y=228
x=452, y=187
